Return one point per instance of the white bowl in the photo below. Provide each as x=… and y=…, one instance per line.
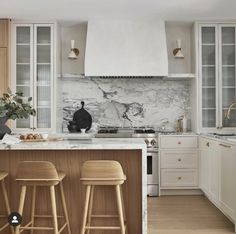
x=44, y=135
x=83, y=130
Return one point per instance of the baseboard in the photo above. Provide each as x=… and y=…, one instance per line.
x=181, y=192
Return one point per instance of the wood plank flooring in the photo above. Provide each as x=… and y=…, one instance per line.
x=185, y=215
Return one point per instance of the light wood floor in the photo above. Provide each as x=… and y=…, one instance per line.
x=185, y=215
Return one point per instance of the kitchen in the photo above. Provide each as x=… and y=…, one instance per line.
x=149, y=89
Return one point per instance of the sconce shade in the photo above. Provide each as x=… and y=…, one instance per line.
x=74, y=52
x=177, y=51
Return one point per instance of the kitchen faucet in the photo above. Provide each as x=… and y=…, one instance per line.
x=227, y=115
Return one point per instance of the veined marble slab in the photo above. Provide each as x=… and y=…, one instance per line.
x=144, y=101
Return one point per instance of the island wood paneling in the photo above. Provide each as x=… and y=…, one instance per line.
x=70, y=162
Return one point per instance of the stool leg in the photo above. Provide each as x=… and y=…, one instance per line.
x=123, y=206
x=90, y=207
x=33, y=208
x=21, y=205
x=65, y=208
x=120, y=210
x=54, y=209
x=6, y=200
x=85, y=214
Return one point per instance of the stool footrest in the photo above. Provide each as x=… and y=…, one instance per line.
x=4, y=226
x=47, y=216
x=36, y=228
x=62, y=228
x=102, y=228
x=104, y=216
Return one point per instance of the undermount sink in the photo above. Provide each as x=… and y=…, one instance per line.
x=225, y=134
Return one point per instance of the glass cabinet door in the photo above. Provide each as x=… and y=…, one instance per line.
x=43, y=75
x=227, y=73
x=24, y=69
x=209, y=76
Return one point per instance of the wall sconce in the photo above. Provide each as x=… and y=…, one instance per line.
x=74, y=52
x=177, y=51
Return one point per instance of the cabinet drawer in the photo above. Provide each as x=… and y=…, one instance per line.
x=170, y=142
x=179, y=159
x=179, y=178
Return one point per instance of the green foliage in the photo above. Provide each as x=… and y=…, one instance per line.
x=16, y=106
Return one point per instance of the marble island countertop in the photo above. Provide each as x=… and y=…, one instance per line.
x=81, y=144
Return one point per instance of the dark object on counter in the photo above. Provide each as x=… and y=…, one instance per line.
x=72, y=126
x=3, y=128
x=82, y=119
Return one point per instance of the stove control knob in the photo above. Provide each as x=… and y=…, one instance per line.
x=147, y=141
x=153, y=142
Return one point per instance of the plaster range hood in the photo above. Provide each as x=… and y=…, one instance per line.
x=126, y=49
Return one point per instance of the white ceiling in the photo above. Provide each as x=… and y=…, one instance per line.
x=83, y=10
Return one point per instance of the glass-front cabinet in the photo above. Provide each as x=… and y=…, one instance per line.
x=33, y=72
x=217, y=75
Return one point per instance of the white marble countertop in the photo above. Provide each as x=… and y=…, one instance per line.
x=93, y=143
x=223, y=139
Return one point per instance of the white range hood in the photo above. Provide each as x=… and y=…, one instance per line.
x=126, y=48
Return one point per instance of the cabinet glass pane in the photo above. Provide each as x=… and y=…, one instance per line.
x=23, y=54
x=228, y=35
x=209, y=76
x=43, y=117
x=228, y=76
x=228, y=96
x=228, y=54
x=208, y=55
x=208, y=49
x=44, y=73
x=23, y=35
x=43, y=35
x=208, y=35
x=44, y=96
x=43, y=54
x=229, y=122
x=208, y=98
x=208, y=118
x=23, y=123
x=23, y=74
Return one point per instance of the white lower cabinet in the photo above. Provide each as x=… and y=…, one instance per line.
x=228, y=180
x=218, y=174
x=179, y=162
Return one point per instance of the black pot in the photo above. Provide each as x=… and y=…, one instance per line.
x=3, y=128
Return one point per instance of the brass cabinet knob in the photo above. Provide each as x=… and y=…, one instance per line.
x=179, y=159
x=179, y=142
x=179, y=178
x=208, y=144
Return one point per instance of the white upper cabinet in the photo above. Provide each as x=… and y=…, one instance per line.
x=33, y=72
x=216, y=68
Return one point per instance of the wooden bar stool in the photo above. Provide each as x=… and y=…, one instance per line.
x=3, y=175
x=100, y=173
x=36, y=174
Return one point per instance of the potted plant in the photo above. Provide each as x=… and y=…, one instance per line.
x=14, y=106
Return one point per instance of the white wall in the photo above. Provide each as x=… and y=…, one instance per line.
x=77, y=33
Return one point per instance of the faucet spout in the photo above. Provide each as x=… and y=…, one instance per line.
x=228, y=112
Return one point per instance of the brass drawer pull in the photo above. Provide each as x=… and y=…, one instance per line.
x=208, y=144
x=226, y=146
x=179, y=142
x=179, y=159
x=180, y=178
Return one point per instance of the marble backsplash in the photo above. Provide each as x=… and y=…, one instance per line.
x=125, y=102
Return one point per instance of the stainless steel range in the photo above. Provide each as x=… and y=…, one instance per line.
x=150, y=136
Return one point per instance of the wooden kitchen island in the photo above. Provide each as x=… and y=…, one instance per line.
x=69, y=156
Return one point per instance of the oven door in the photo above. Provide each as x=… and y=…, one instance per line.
x=152, y=168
